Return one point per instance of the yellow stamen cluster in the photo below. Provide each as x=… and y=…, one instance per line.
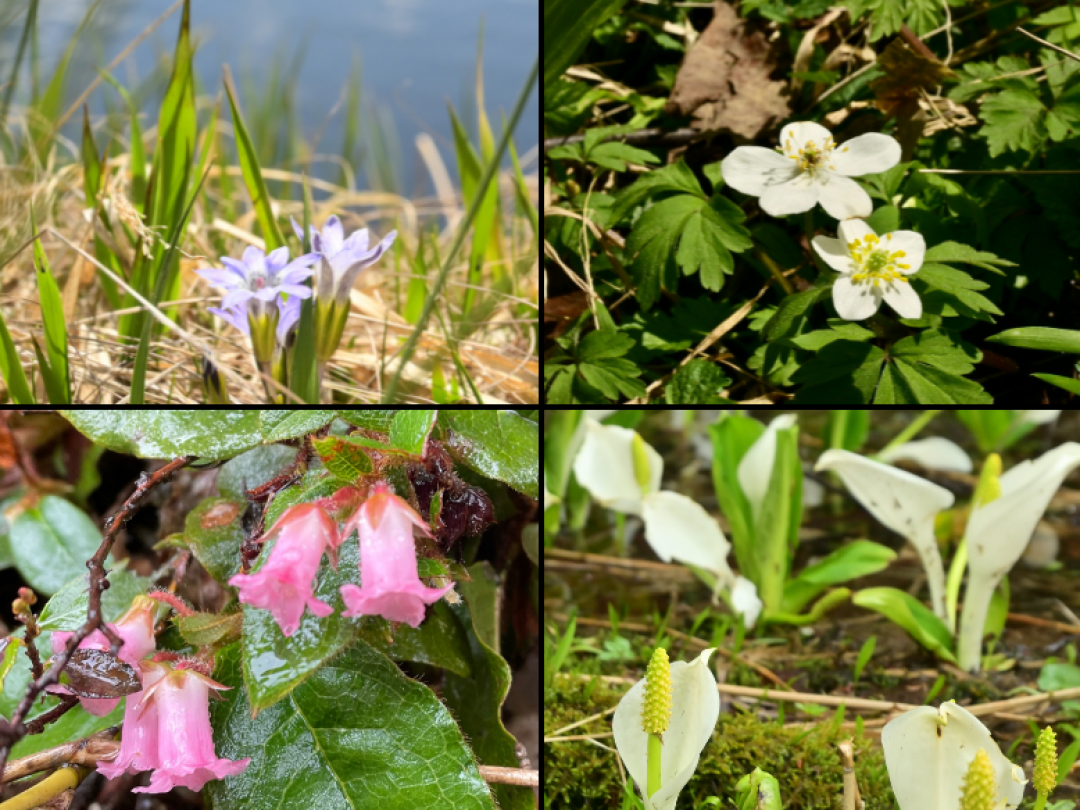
x=809, y=156
x=979, y=791
x=1046, y=765
x=875, y=261
x=656, y=713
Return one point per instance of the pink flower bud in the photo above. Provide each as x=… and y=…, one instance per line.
x=185, y=744
x=135, y=627
x=390, y=585
x=284, y=583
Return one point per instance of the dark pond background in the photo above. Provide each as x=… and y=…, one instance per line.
x=415, y=55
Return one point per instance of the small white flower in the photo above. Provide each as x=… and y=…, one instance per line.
x=807, y=168
x=873, y=268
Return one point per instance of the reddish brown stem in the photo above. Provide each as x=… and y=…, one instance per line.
x=13, y=730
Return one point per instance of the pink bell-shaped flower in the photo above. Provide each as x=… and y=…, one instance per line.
x=135, y=627
x=185, y=743
x=390, y=585
x=284, y=583
x=139, y=744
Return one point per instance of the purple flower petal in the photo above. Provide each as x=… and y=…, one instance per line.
x=276, y=259
x=235, y=297
x=299, y=290
x=267, y=293
x=295, y=275
x=255, y=259
x=358, y=242
x=220, y=278
x=236, y=316
x=239, y=268
x=333, y=235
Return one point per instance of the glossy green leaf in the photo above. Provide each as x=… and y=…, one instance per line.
x=253, y=469
x=51, y=542
x=477, y=700
x=66, y=610
x=211, y=434
x=213, y=531
x=10, y=647
x=410, y=430
x=370, y=418
x=439, y=641
x=357, y=735
x=75, y=724
x=499, y=444
x=1059, y=675
x=856, y=559
x=202, y=629
x=910, y=614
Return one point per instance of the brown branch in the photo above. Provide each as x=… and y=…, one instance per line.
x=13, y=730
x=37, y=725
x=87, y=751
x=510, y=776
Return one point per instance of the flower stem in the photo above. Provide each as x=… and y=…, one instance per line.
x=973, y=620
x=911, y=430
x=654, y=764
x=1040, y=802
x=777, y=273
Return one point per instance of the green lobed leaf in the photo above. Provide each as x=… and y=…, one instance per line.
x=956, y=252
x=211, y=434
x=51, y=542
x=1014, y=121
x=499, y=444
x=910, y=614
x=214, y=531
x=477, y=700
x=357, y=735
x=697, y=383
x=410, y=429
x=844, y=372
x=791, y=308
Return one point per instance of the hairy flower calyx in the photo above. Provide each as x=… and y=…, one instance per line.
x=875, y=261
x=1046, y=764
x=980, y=786
x=656, y=712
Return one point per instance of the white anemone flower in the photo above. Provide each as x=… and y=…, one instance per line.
x=623, y=472
x=933, y=453
x=928, y=751
x=998, y=531
x=694, y=711
x=873, y=268
x=900, y=501
x=807, y=168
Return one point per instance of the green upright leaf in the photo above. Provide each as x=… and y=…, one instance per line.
x=856, y=559
x=55, y=373
x=12, y=370
x=1041, y=338
x=910, y=614
x=357, y=735
x=568, y=25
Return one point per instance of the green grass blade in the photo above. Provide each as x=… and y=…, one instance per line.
x=13, y=80
x=55, y=372
x=249, y=164
x=521, y=191
x=304, y=377
x=91, y=187
x=12, y=370
x=490, y=171
x=138, y=150
x=414, y=302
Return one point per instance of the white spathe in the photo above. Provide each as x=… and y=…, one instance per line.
x=998, y=532
x=872, y=269
x=927, y=753
x=900, y=501
x=933, y=453
x=745, y=601
x=695, y=707
x=1037, y=417
x=810, y=168
x=676, y=527
x=755, y=468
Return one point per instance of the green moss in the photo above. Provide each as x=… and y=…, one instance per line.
x=582, y=775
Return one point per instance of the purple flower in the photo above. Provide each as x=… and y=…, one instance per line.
x=390, y=584
x=288, y=317
x=339, y=261
x=261, y=276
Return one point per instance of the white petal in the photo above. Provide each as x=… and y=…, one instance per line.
x=900, y=501
x=901, y=297
x=851, y=229
x=842, y=197
x=855, y=301
x=751, y=169
x=928, y=760
x=755, y=468
x=801, y=133
x=997, y=532
x=605, y=467
x=813, y=493
x=934, y=453
x=866, y=154
x=793, y=197
x=679, y=528
x=834, y=253
x=1037, y=417
x=911, y=243
x=694, y=711
x=745, y=601
x=598, y=415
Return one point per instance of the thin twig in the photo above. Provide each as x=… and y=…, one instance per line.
x=510, y=776
x=13, y=730
x=1046, y=44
